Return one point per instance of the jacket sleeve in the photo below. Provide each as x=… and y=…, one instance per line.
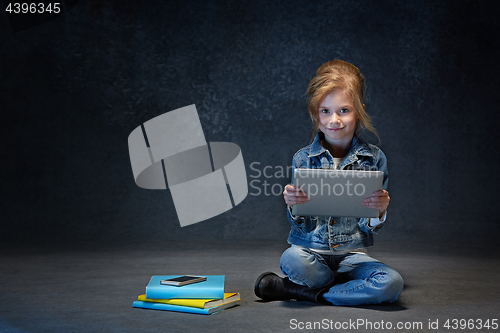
x=381, y=165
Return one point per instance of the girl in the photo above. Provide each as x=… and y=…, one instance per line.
x=327, y=262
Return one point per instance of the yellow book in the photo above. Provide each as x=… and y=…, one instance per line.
x=195, y=303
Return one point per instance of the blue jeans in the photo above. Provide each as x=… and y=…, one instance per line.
x=359, y=279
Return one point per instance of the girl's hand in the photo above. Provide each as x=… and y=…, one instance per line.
x=379, y=200
x=294, y=195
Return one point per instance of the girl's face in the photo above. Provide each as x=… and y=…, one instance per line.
x=337, y=118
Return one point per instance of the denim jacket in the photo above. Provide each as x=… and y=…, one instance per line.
x=336, y=233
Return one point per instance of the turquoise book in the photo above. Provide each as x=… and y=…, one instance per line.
x=180, y=308
x=212, y=288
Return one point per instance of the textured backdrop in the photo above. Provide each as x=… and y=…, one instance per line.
x=72, y=89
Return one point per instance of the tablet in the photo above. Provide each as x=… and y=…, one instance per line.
x=337, y=193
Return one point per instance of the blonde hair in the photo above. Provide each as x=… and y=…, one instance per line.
x=339, y=75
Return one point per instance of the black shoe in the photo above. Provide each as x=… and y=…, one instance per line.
x=271, y=287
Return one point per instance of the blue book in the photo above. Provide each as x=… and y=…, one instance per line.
x=212, y=288
x=180, y=308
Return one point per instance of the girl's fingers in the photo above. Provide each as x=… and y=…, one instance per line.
x=379, y=196
x=377, y=205
x=294, y=191
x=379, y=200
x=298, y=201
x=381, y=193
x=294, y=195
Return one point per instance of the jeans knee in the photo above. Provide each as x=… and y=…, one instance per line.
x=291, y=260
x=305, y=268
x=292, y=254
x=390, y=286
x=397, y=285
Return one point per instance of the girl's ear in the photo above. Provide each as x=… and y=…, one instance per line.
x=364, y=109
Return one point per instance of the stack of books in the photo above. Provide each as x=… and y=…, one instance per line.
x=205, y=297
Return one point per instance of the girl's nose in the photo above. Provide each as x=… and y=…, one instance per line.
x=334, y=119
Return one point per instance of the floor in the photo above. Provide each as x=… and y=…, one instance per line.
x=91, y=289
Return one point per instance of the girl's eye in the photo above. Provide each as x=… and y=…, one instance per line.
x=344, y=110
x=325, y=110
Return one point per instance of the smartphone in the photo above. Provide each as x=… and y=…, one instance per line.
x=183, y=280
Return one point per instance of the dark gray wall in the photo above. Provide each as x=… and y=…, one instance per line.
x=72, y=89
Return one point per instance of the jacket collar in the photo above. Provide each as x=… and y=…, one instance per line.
x=358, y=147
